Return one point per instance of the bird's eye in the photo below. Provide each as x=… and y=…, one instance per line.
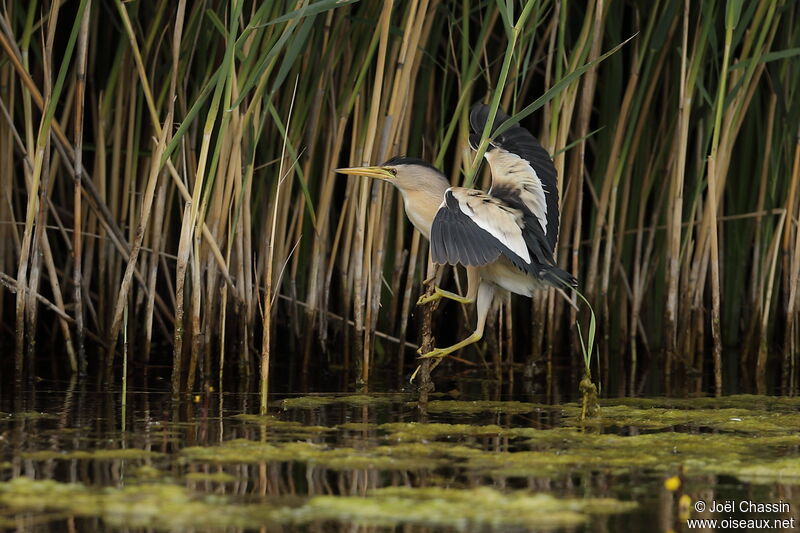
x=393, y=171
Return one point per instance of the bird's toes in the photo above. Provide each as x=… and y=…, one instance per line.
x=426, y=298
x=436, y=353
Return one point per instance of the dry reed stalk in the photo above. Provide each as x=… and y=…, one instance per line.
x=639, y=277
x=688, y=76
x=236, y=223
x=400, y=66
x=143, y=221
x=8, y=235
x=400, y=105
x=770, y=264
x=722, y=146
x=757, y=283
x=184, y=249
x=77, y=245
x=318, y=287
x=269, y=298
x=36, y=194
x=790, y=335
x=572, y=217
x=92, y=262
x=155, y=168
x=195, y=313
x=361, y=270
x=589, y=84
x=227, y=212
x=156, y=237
x=716, y=334
x=47, y=256
x=96, y=202
x=406, y=301
x=560, y=119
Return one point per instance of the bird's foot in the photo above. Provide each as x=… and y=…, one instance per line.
x=441, y=293
x=419, y=367
x=439, y=353
x=436, y=353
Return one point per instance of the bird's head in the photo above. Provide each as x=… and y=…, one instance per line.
x=405, y=173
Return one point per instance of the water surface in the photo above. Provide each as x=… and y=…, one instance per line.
x=77, y=461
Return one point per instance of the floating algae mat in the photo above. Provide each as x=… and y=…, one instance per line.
x=337, y=462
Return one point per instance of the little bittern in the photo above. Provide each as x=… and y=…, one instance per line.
x=505, y=238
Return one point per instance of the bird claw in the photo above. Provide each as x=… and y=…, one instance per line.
x=436, y=353
x=427, y=298
x=441, y=293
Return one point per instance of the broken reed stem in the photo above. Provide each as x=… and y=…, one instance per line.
x=427, y=340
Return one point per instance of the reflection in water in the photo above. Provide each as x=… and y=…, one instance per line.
x=367, y=463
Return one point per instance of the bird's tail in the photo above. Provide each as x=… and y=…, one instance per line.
x=557, y=277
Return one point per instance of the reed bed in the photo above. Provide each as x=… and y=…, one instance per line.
x=172, y=162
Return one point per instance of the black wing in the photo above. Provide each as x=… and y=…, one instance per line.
x=522, y=171
x=473, y=229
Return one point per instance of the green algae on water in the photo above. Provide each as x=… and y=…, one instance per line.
x=736, y=401
x=365, y=400
x=284, y=427
x=307, y=402
x=131, y=454
x=214, y=477
x=434, y=406
x=784, y=470
x=342, y=458
x=247, y=451
x=456, y=508
x=353, y=400
x=147, y=473
x=357, y=426
x=161, y=506
x=728, y=419
x=558, y=453
x=413, y=431
x=172, y=507
x=462, y=407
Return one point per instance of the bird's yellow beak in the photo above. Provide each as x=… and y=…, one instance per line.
x=382, y=173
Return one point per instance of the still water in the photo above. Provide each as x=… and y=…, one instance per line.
x=72, y=460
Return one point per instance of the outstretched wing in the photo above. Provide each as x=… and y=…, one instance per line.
x=472, y=228
x=523, y=175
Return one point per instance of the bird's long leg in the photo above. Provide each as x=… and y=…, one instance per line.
x=484, y=300
x=472, y=287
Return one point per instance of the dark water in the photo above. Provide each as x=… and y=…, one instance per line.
x=72, y=460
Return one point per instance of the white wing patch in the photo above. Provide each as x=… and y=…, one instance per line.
x=508, y=167
x=500, y=222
